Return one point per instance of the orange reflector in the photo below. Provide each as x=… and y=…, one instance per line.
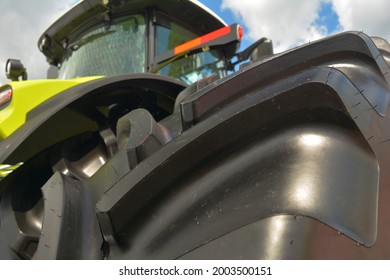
x=202, y=40
x=5, y=96
x=187, y=46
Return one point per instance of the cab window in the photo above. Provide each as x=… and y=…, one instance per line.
x=119, y=49
x=171, y=36
x=192, y=68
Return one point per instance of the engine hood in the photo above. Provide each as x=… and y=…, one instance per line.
x=26, y=95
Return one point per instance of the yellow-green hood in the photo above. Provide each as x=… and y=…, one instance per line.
x=26, y=95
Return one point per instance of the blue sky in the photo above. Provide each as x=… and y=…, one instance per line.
x=293, y=22
x=327, y=17
x=288, y=23
x=227, y=15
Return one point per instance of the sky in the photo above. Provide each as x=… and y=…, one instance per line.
x=289, y=23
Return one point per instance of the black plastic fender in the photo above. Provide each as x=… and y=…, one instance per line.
x=28, y=140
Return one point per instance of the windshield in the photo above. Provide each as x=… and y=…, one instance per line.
x=119, y=49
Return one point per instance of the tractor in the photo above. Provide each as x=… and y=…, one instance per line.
x=153, y=137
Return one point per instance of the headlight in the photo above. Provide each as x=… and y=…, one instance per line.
x=5, y=96
x=15, y=69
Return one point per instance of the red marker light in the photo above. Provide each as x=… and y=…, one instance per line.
x=240, y=31
x=5, y=96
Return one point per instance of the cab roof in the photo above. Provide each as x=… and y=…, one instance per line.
x=190, y=12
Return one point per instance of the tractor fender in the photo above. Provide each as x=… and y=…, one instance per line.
x=27, y=135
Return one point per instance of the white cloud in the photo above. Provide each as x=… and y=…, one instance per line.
x=22, y=23
x=371, y=17
x=292, y=22
x=287, y=23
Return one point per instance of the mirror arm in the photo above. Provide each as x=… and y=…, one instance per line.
x=245, y=54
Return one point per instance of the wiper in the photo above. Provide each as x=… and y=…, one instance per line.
x=76, y=45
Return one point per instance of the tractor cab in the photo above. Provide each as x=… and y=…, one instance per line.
x=180, y=39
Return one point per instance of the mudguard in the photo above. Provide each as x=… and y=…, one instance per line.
x=17, y=147
x=288, y=158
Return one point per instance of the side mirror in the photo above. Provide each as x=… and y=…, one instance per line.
x=259, y=49
x=262, y=50
x=52, y=72
x=15, y=69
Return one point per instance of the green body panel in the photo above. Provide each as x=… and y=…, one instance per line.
x=26, y=96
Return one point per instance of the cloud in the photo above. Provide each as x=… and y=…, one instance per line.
x=293, y=22
x=22, y=25
x=287, y=23
x=371, y=17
